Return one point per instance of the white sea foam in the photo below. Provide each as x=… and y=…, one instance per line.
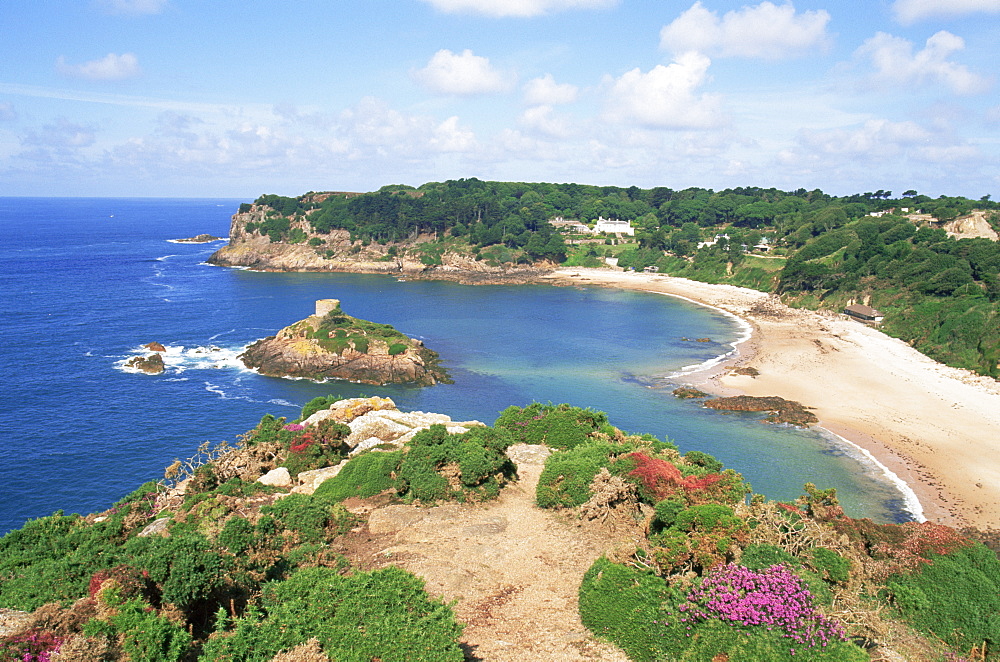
x=911, y=503
x=178, y=358
x=744, y=334
x=223, y=333
x=164, y=258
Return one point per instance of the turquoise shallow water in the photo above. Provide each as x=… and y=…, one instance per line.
x=85, y=282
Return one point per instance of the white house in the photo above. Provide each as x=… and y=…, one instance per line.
x=614, y=226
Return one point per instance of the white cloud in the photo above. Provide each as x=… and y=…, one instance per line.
x=895, y=62
x=448, y=136
x=62, y=137
x=666, y=97
x=878, y=139
x=110, y=67
x=522, y=8
x=465, y=74
x=132, y=7
x=764, y=31
x=949, y=153
x=910, y=11
x=543, y=120
x=7, y=112
x=546, y=91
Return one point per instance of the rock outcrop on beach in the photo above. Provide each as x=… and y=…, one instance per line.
x=333, y=345
x=780, y=410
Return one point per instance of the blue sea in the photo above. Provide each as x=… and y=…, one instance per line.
x=86, y=282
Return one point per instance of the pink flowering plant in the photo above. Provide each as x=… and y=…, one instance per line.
x=773, y=598
x=31, y=646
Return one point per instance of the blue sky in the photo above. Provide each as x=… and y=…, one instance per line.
x=187, y=98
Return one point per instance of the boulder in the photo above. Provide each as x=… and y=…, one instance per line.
x=397, y=428
x=156, y=528
x=345, y=411
x=276, y=478
x=155, y=347
x=310, y=480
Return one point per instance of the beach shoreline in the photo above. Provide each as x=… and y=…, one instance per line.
x=932, y=426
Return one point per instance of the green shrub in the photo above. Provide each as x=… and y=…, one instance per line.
x=630, y=609
x=143, y=634
x=703, y=460
x=318, y=403
x=707, y=517
x=52, y=559
x=189, y=572
x=558, y=426
x=477, y=455
x=383, y=614
x=363, y=476
x=566, y=477
x=956, y=596
x=397, y=348
x=666, y=512
x=713, y=640
x=238, y=536
x=270, y=429
x=760, y=556
x=831, y=565
x=312, y=517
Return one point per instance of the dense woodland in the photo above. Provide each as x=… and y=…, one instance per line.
x=939, y=293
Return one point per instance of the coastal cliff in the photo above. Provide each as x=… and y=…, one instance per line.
x=334, y=345
x=302, y=248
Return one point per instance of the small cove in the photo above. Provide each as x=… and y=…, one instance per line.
x=87, y=281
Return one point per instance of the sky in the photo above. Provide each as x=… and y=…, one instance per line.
x=188, y=98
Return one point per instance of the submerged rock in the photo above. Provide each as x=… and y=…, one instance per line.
x=687, y=393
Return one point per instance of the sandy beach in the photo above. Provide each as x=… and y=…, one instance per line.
x=937, y=428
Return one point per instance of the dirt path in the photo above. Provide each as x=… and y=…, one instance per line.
x=513, y=568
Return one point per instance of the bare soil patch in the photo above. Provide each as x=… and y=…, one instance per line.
x=513, y=569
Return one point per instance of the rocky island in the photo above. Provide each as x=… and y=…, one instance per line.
x=334, y=345
x=203, y=238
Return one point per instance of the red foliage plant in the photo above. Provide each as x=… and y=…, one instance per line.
x=305, y=440
x=900, y=548
x=131, y=581
x=659, y=479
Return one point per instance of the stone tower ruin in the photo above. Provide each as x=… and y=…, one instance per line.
x=324, y=306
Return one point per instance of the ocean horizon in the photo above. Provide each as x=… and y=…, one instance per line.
x=88, y=281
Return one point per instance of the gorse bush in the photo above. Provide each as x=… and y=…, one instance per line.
x=365, y=475
x=142, y=634
x=557, y=426
x=566, y=478
x=439, y=465
x=383, y=614
x=956, y=596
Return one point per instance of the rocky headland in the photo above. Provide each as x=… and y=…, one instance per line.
x=336, y=251
x=334, y=345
